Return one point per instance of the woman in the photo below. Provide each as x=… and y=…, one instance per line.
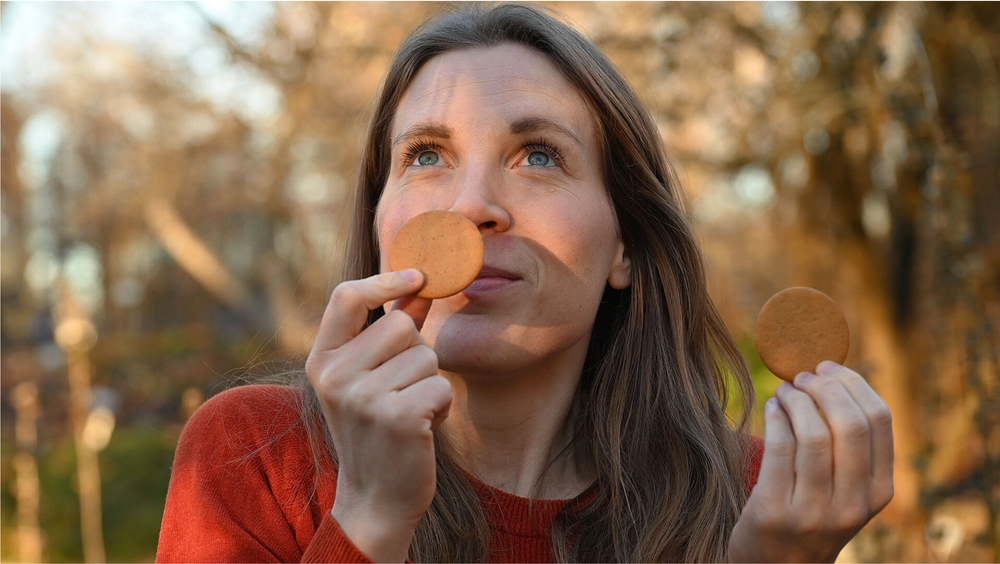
x=570, y=404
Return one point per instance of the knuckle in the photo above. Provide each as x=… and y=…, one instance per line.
x=881, y=416
x=882, y=496
x=815, y=443
x=891, y=493
x=850, y=377
x=361, y=400
x=786, y=391
x=783, y=448
x=853, y=517
x=329, y=371
x=346, y=292
x=396, y=326
x=352, y=398
x=795, y=398
x=313, y=368
x=855, y=428
x=827, y=385
x=388, y=285
x=385, y=283
x=335, y=369
x=438, y=389
x=322, y=373
x=443, y=385
x=397, y=420
x=401, y=323
x=427, y=358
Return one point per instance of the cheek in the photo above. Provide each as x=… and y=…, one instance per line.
x=389, y=219
x=583, y=238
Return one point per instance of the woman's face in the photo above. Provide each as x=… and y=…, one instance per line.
x=498, y=135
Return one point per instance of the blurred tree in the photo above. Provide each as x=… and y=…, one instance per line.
x=188, y=169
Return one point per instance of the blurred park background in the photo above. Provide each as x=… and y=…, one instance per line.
x=176, y=180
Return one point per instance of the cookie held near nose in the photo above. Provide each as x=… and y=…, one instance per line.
x=797, y=329
x=445, y=246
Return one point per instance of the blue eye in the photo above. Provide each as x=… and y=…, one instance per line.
x=428, y=158
x=539, y=158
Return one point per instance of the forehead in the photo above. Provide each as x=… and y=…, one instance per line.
x=505, y=81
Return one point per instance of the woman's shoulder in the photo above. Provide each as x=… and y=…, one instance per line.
x=244, y=478
x=244, y=419
x=251, y=402
x=252, y=399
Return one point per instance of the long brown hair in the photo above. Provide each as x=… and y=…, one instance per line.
x=651, y=402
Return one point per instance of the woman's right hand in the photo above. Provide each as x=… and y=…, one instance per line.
x=382, y=396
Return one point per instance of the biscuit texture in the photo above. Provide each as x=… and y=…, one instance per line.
x=445, y=246
x=797, y=329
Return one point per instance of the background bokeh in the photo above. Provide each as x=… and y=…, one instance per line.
x=176, y=182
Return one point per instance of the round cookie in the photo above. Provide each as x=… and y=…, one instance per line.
x=797, y=329
x=445, y=246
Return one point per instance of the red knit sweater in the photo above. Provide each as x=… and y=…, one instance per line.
x=244, y=488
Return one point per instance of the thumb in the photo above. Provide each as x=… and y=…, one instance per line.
x=415, y=307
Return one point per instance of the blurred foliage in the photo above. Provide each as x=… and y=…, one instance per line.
x=135, y=471
x=184, y=170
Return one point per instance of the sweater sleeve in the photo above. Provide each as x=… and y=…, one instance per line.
x=756, y=445
x=230, y=499
x=332, y=545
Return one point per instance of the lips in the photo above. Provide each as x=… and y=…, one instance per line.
x=493, y=272
x=491, y=279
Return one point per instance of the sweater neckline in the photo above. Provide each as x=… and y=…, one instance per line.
x=518, y=515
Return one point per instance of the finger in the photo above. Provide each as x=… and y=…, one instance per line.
x=392, y=334
x=407, y=368
x=813, y=447
x=880, y=421
x=347, y=311
x=851, y=435
x=415, y=307
x=429, y=397
x=777, y=467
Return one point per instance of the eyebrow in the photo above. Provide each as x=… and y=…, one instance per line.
x=423, y=130
x=534, y=124
x=521, y=126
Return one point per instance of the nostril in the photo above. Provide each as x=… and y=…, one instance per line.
x=488, y=224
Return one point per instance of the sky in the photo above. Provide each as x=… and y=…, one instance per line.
x=173, y=31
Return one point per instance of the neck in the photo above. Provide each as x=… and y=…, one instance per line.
x=510, y=431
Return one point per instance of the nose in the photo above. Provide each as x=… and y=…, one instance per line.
x=476, y=199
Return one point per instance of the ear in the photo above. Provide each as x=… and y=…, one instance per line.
x=620, y=274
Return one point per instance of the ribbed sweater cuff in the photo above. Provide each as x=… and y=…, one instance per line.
x=330, y=544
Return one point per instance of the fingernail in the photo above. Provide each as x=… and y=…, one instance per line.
x=804, y=377
x=770, y=405
x=412, y=275
x=827, y=367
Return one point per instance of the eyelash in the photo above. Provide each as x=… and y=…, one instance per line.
x=417, y=147
x=421, y=145
x=548, y=148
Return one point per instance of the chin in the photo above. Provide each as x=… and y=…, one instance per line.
x=475, y=348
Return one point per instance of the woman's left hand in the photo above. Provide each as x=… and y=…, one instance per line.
x=820, y=480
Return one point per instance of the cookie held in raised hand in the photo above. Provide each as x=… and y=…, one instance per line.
x=797, y=329
x=445, y=246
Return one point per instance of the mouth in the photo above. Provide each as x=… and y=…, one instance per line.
x=491, y=280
